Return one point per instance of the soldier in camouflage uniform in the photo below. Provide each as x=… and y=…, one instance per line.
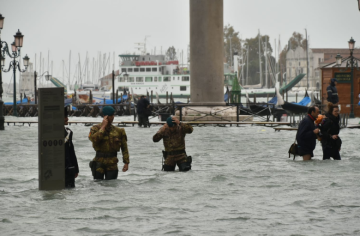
x=107, y=141
x=173, y=135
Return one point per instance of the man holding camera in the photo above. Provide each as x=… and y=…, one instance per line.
x=173, y=135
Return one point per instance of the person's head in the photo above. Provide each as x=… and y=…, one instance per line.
x=170, y=122
x=142, y=96
x=314, y=111
x=333, y=109
x=334, y=82
x=66, y=114
x=109, y=112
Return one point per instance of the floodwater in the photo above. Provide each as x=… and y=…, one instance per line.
x=242, y=183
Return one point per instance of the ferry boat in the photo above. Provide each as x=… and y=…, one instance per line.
x=145, y=73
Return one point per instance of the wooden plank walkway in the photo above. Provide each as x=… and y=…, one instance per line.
x=285, y=128
x=124, y=123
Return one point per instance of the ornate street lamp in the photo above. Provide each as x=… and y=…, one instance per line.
x=338, y=60
x=1, y=21
x=351, y=63
x=18, y=39
x=2, y=120
x=15, y=48
x=351, y=44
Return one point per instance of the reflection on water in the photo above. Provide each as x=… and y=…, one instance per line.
x=242, y=183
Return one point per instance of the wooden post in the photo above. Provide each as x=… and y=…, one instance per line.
x=147, y=93
x=167, y=97
x=151, y=96
x=296, y=95
x=188, y=99
x=21, y=98
x=121, y=97
x=104, y=101
x=286, y=95
x=254, y=97
x=90, y=98
x=117, y=96
x=267, y=98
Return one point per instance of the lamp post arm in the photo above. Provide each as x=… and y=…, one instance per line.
x=6, y=49
x=10, y=66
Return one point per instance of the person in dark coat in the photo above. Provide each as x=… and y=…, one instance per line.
x=332, y=92
x=71, y=164
x=330, y=128
x=306, y=134
x=142, y=111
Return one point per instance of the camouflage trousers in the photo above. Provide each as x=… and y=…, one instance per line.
x=175, y=159
x=105, y=165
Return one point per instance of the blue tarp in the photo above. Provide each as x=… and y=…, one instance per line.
x=273, y=100
x=25, y=101
x=304, y=102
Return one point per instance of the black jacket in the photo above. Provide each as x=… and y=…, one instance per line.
x=330, y=126
x=70, y=156
x=332, y=92
x=305, y=136
x=142, y=105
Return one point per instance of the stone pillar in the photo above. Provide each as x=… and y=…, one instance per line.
x=206, y=52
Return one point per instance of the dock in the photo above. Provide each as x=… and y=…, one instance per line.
x=133, y=123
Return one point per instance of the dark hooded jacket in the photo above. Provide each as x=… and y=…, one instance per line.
x=142, y=105
x=70, y=156
x=332, y=92
x=330, y=126
x=305, y=136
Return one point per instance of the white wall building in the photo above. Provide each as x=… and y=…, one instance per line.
x=26, y=81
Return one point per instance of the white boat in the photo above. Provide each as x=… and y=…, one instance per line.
x=146, y=73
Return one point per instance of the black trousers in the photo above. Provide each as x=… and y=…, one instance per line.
x=69, y=179
x=143, y=120
x=330, y=152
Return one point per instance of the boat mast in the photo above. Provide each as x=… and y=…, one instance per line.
x=307, y=61
x=260, y=60
x=266, y=63
x=247, y=64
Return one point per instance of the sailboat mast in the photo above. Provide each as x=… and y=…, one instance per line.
x=307, y=61
x=260, y=60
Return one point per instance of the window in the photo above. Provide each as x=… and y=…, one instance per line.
x=148, y=69
x=154, y=69
x=182, y=88
x=166, y=79
x=131, y=79
x=120, y=88
x=121, y=79
x=136, y=69
x=178, y=78
x=173, y=78
x=130, y=69
x=139, y=79
x=142, y=69
x=123, y=69
x=185, y=78
x=148, y=79
x=155, y=79
x=160, y=79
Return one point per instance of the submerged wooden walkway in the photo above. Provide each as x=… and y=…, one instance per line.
x=133, y=123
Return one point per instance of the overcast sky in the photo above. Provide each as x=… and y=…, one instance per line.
x=116, y=25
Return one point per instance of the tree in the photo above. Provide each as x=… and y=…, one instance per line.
x=230, y=35
x=296, y=40
x=171, y=54
x=252, y=45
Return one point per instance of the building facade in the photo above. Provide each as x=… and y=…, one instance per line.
x=26, y=81
x=318, y=57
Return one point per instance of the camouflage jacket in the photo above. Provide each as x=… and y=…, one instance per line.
x=109, y=140
x=173, y=140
